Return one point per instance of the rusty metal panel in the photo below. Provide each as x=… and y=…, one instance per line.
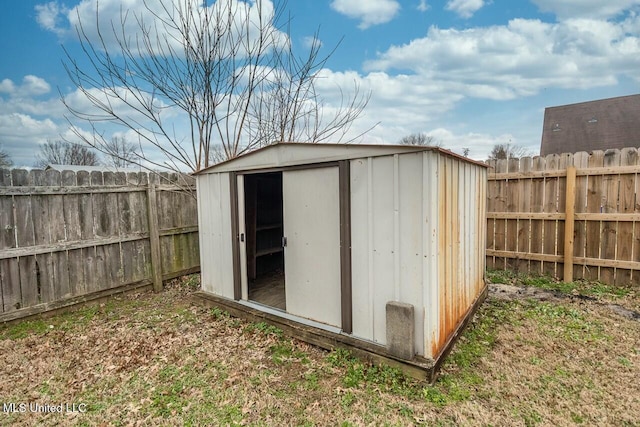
x=431, y=266
x=445, y=249
x=462, y=188
x=417, y=221
x=471, y=212
x=215, y=234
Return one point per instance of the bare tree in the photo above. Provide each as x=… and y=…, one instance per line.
x=508, y=151
x=5, y=159
x=65, y=153
x=229, y=69
x=120, y=152
x=420, y=139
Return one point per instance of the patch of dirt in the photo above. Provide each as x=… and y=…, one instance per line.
x=512, y=292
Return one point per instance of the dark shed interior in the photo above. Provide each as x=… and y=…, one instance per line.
x=265, y=232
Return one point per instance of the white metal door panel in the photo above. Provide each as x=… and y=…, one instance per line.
x=216, y=258
x=312, y=254
x=242, y=244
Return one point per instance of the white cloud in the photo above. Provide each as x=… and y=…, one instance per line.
x=586, y=8
x=27, y=99
x=125, y=16
x=423, y=6
x=370, y=12
x=134, y=111
x=403, y=104
x=20, y=135
x=399, y=104
x=50, y=16
x=519, y=59
x=31, y=86
x=479, y=144
x=24, y=126
x=464, y=8
x=310, y=41
x=7, y=86
x=27, y=120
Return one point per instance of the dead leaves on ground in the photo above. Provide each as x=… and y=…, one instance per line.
x=155, y=359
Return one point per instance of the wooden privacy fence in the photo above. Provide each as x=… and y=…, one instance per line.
x=67, y=237
x=569, y=215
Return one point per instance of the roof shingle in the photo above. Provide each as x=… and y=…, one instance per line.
x=593, y=125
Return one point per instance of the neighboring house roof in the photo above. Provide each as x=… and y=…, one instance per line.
x=78, y=168
x=294, y=153
x=593, y=125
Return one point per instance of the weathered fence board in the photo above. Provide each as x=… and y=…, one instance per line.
x=624, y=244
x=537, y=205
x=524, y=224
x=67, y=236
x=513, y=201
x=580, y=161
x=527, y=206
x=550, y=205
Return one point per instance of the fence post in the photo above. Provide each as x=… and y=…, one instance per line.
x=154, y=237
x=569, y=224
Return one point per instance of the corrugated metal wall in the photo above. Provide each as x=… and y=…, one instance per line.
x=216, y=254
x=461, y=242
x=389, y=239
x=417, y=237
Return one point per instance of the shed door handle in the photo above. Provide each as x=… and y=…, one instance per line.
x=242, y=237
x=284, y=242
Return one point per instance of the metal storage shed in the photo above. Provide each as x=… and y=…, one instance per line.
x=376, y=247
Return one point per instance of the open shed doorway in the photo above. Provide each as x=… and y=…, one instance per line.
x=264, y=244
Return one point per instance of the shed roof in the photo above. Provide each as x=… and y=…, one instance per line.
x=296, y=153
x=593, y=125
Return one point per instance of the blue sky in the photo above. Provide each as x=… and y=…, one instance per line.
x=471, y=73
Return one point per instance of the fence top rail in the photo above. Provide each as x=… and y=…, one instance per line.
x=62, y=190
x=554, y=165
x=616, y=170
x=67, y=178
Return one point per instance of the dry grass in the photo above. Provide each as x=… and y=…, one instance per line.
x=154, y=359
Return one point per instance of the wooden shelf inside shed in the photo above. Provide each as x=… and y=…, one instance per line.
x=269, y=251
x=263, y=223
x=269, y=226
